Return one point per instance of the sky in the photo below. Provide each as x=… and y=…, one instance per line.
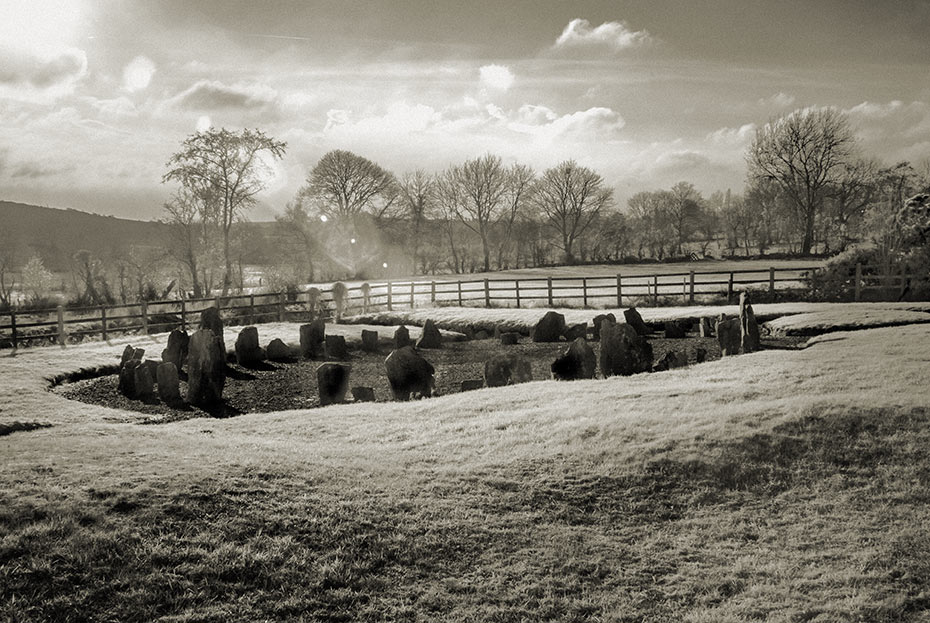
x=95, y=96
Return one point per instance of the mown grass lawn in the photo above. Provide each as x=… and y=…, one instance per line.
x=783, y=486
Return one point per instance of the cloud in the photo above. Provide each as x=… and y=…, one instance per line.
x=894, y=130
x=733, y=137
x=119, y=106
x=213, y=95
x=138, y=74
x=35, y=170
x=615, y=36
x=23, y=69
x=779, y=100
x=496, y=77
x=596, y=123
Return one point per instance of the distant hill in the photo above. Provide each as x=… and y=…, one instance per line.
x=56, y=235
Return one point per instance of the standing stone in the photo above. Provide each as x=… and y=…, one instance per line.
x=700, y=355
x=169, y=388
x=632, y=318
x=277, y=350
x=369, y=341
x=549, y=328
x=671, y=360
x=469, y=385
x=577, y=362
x=481, y=334
x=176, y=351
x=674, y=330
x=144, y=382
x=127, y=378
x=248, y=352
x=363, y=394
x=402, y=338
x=706, y=328
x=728, y=336
x=206, y=369
x=409, y=373
x=507, y=370
x=749, y=328
x=509, y=338
x=596, y=332
x=210, y=318
x=575, y=331
x=431, y=337
x=312, y=337
x=336, y=347
x=126, y=356
x=333, y=382
x=623, y=350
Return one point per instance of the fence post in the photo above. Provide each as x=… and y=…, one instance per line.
x=432, y=292
x=62, y=338
x=619, y=290
x=772, y=279
x=13, y=329
x=655, y=290
x=251, y=309
x=459, y=282
x=549, y=287
x=684, y=289
x=103, y=322
x=584, y=292
x=730, y=289
x=487, y=293
x=858, y=281
x=145, y=318
x=216, y=301
x=183, y=315
x=516, y=284
x=691, y=287
x=390, y=302
x=281, y=298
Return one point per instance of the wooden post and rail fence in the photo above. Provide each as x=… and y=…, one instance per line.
x=60, y=324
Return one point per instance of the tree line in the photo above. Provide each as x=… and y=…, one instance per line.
x=809, y=189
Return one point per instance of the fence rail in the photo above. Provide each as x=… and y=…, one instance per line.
x=60, y=324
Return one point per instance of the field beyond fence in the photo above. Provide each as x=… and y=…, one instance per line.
x=63, y=325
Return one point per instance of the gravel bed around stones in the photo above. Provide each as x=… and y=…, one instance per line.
x=277, y=386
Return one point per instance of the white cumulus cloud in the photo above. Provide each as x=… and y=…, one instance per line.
x=615, y=36
x=496, y=77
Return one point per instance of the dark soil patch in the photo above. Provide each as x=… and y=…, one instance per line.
x=278, y=386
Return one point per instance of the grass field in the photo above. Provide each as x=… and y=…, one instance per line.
x=780, y=486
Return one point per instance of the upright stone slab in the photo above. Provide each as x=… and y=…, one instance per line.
x=706, y=327
x=596, y=331
x=127, y=377
x=431, y=337
x=176, y=350
x=409, y=373
x=623, y=350
x=729, y=336
x=632, y=318
x=510, y=338
x=369, y=341
x=169, y=387
x=333, y=382
x=549, y=328
x=248, y=352
x=206, y=364
x=277, y=350
x=674, y=330
x=402, y=338
x=469, y=385
x=312, y=337
x=749, y=328
x=144, y=382
x=577, y=362
x=210, y=318
x=507, y=370
x=336, y=347
x=363, y=394
x=575, y=331
x=126, y=356
x=671, y=360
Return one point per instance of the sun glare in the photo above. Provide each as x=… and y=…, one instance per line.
x=40, y=26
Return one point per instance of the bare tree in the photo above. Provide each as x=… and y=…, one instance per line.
x=190, y=231
x=224, y=171
x=803, y=153
x=848, y=198
x=684, y=209
x=299, y=240
x=343, y=186
x=417, y=192
x=8, y=256
x=484, y=195
x=571, y=197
